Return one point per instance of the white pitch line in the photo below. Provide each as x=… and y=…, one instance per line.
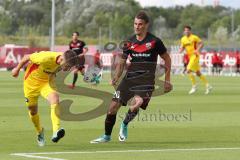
x=36, y=155
x=30, y=155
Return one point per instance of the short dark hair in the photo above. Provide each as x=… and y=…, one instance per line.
x=142, y=15
x=71, y=58
x=76, y=33
x=188, y=27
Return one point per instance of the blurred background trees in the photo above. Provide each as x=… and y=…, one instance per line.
x=112, y=20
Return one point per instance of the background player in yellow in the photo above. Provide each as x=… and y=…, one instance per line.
x=192, y=44
x=39, y=80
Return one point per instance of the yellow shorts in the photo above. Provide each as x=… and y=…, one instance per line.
x=193, y=64
x=34, y=88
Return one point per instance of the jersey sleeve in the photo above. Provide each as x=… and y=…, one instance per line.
x=84, y=44
x=197, y=39
x=160, y=47
x=126, y=50
x=38, y=57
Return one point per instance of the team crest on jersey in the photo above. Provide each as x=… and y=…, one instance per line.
x=149, y=45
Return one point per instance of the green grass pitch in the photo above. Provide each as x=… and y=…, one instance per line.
x=209, y=126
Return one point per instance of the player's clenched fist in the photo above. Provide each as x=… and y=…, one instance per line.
x=167, y=87
x=114, y=81
x=15, y=72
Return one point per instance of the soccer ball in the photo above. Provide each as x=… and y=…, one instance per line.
x=93, y=75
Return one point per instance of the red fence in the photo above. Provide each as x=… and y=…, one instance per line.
x=11, y=56
x=228, y=58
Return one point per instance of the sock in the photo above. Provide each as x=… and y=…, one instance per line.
x=54, y=117
x=109, y=123
x=130, y=116
x=192, y=78
x=36, y=121
x=204, y=80
x=75, y=77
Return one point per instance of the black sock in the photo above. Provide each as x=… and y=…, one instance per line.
x=130, y=116
x=109, y=123
x=75, y=77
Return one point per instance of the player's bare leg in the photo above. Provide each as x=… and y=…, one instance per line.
x=109, y=122
x=204, y=80
x=75, y=77
x=184, y=72
x=58, y=132
x=82, y=71
x=136, y=102
x=33, y=114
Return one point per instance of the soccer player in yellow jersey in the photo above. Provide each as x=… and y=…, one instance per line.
x=192, y=44
x=39, y=80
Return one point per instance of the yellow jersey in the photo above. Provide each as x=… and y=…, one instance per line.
x=42, y=65
x=190, y=43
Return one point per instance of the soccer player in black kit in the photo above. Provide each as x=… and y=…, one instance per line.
x=79, y=47
x=137, y=84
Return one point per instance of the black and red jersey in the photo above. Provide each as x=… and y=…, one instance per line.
x=143, y=54
x=146, y=50
x=77, y=46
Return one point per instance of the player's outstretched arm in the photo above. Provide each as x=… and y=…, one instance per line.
x=119, y=71
x=167, y=60
x=85, y=50
x=181, y=49
x=23, y=61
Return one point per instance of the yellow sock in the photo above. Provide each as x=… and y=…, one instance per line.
x=54, y=117
x=36, y=121
x=192, y=78
x=204, y=80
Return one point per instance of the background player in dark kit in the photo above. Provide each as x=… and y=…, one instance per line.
x=79, y=47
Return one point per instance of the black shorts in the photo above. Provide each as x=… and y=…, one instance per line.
x=127, y=89
x=220, y=65
x=80, y=67
x=215, y=65
x=81, y=63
